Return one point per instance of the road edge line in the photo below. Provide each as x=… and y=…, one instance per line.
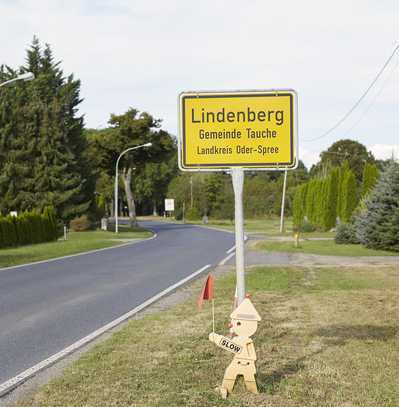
x=218, y=229
x=80, y=254
x=211, y=227
x=226, y=259
x=22, y=377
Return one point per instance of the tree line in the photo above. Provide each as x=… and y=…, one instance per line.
x=323, y=201
x=211, y=194
x=49, y=158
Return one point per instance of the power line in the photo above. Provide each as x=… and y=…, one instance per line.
x=350, y=111
x=371, y=104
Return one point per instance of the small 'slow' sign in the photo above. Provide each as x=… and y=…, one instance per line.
x=229, y=345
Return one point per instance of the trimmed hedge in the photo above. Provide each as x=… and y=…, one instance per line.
x=322, y=200
x=28, y=228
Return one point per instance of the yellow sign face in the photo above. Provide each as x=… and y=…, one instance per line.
x=251, y=129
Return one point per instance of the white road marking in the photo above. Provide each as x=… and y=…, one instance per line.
x=226, y=259
x=14, y=382
x=231, y=249
x=211, y=227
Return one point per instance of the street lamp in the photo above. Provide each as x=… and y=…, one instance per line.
x=28, y=76
x=116, y=180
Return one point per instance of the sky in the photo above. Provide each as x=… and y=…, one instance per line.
x=142, y=54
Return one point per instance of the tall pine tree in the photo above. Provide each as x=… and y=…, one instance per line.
x=42, y=142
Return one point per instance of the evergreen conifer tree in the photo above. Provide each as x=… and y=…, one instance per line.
x=370, y=176
x=42, y=141
x=348, y=196
x=342, y=172
x=330, y=209
x=299, y=205
x=377, y=224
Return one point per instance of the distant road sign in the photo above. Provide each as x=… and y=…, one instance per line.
x=169, y=205
x=248, y=129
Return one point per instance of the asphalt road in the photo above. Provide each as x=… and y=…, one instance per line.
x=47, y=307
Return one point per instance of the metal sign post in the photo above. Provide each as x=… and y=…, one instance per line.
x=234, y=131
x=283, y=203
x=237, y=175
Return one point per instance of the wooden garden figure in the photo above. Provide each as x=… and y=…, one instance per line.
x=244, y=323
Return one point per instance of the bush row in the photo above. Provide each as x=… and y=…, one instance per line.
x=28, y=228
x=376, y=222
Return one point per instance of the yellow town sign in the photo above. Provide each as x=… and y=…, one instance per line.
x=248, y=129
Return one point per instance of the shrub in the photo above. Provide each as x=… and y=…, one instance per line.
x=179, y=213
x=193, y=214
x=307, y=227
x=346, y=234
x=80, y=224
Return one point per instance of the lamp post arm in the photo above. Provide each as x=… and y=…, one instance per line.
x=8, y=82
x=23, y=77
x=116, y=179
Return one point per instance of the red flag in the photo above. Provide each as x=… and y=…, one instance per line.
x=207, y=291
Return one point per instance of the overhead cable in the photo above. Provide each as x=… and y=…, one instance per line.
x=365, y=93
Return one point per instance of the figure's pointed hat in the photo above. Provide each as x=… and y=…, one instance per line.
x=246, y=311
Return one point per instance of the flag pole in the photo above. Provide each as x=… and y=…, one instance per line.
x=213, y=315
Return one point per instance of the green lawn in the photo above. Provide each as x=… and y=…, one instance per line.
x=77, y=242
x=265, y=226
x=328, y=337
x=323, y=247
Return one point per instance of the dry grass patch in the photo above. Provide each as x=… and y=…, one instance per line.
x=329, y=337
x=321, y=247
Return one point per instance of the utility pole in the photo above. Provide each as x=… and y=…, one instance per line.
x=283, y=203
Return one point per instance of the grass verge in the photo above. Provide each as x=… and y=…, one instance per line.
x=265, y=226
x=329, y=337
x=77, y=242
x=322, y=247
